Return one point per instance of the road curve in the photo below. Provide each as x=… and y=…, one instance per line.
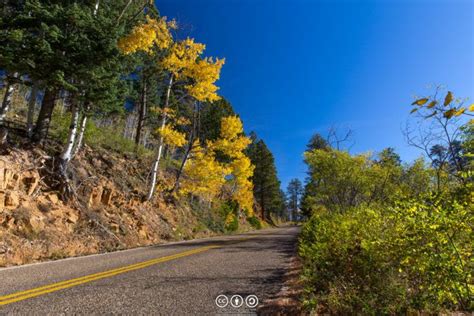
x=173, y=279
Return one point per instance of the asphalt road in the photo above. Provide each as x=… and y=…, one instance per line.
x=173, y=279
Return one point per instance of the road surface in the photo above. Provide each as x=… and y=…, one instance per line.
x=173, y=279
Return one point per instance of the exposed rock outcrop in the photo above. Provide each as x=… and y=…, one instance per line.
x=106, y=213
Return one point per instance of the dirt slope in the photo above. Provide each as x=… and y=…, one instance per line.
x=106, y=212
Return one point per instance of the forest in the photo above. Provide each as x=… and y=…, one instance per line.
x=386, y=237
x=115, y=78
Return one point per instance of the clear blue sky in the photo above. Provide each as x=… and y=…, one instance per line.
x=296, y=67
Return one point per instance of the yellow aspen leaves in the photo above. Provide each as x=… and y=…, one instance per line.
x=229, y=219
x=143, y=37
x=459, y=112
x=432, y=104
x=182, y=55
x=182, y=121
x=449, y=98
x=204, y=73
x=420, y=101
x=232, y=143
x=172, y=137
x=447, y=110
x=205, y=176
x=231, y=127
x=184, y=63
x=242, y=169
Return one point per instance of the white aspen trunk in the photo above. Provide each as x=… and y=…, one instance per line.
x=154, y=171
x=7, y=99
x=66, y=155
x=62, y=106
x=96, y=7
x=123, y=11
x=125, y=127
x=133, y=127
x=80, y=138
x=145, y=138
x=31, y=110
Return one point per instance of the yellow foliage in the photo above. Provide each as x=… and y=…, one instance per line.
x=182, y=55
x=231, y=142
x=144, y=36
x=229, y=219
x=172, y=137
x=459, y=111
x=420, y=101
x=205, y=176
x=242, y=170
x=432, y=104
x=204, y=73
x=231, y=127
x=168, y=112
x=449, y=113
x=183, y=62
x=449, y=98
x=182, y=121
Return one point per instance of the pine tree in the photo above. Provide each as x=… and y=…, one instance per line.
x=266, y=190
x=294, y=193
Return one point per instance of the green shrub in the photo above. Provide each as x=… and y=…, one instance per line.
x=415, y=256
x=229, y=211
x=60, y=123
x=231, y=222
x=254, y=222
x=344, y=267
x=111, y=138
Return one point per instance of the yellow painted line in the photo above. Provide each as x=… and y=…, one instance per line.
x=23, y=295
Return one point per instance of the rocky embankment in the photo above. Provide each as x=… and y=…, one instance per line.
x=106, y=212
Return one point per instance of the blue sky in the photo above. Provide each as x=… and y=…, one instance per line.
x=296, y=67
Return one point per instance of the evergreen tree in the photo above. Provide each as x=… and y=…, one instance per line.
x=317, y=141
x=294, y=193
x=267, y=193
x=210, y=117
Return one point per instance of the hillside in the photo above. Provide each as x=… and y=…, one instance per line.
x=106, y=213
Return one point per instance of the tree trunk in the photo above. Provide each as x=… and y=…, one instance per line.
x=80, y=139
x=31, y=110
x=192, y=136
x=96, y=7
x=44, y=117
x=123, y=11
x=154, y=171
x=141, y=114
x=7, y=98
x=183, y=163
x=3, y=137
x=66, y=155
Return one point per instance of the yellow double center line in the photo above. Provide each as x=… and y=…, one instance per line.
x=23, y=295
